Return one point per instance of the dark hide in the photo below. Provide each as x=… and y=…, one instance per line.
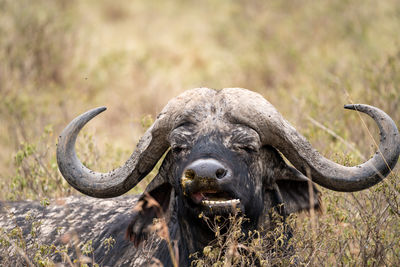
x=92, y=219
x=255, y=171
x=88, y=219
x=96, y=220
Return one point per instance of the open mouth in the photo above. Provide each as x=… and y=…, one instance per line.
x=212, y=198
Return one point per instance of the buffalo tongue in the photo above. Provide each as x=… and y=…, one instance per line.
x=197, y=197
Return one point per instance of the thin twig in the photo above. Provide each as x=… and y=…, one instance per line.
x=18, y=249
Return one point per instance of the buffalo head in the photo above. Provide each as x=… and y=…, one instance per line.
x=222, y=154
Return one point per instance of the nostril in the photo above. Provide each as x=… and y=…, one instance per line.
x=220, y=173
x=190, y=174
x=205, y=168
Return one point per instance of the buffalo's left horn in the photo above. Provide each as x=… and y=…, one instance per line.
x=252, y=109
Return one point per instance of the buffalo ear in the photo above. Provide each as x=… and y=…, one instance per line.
x=151, y=205
x=296, y=196
x=295, y=190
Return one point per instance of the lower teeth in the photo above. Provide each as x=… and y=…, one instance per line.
x=220, y=203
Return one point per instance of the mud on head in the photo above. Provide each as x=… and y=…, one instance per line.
x=224, y=153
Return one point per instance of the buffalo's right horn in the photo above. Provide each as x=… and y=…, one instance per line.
x=114, y=183
x=148, y=152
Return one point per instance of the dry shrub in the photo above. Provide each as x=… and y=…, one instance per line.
x=233, y=247
x=60, y=58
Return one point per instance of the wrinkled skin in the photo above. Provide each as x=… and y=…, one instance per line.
x=221, y=153
x=206, y=134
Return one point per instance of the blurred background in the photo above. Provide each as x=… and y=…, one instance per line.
x=59, y=58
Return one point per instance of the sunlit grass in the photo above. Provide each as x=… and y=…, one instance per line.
x=61, y=58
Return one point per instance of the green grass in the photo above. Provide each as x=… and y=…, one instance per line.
x=60, y=58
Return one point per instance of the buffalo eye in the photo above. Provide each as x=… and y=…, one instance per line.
x=245, y=148
x=176, y=149
x=245, y=140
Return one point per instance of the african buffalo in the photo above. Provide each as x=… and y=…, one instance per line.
x=222, y=153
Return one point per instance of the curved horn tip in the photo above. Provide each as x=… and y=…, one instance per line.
x=350, y=106
x=88, y=115
x=81, y=120
x=98, y=110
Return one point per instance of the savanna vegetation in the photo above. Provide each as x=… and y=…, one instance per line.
x=60, y=58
